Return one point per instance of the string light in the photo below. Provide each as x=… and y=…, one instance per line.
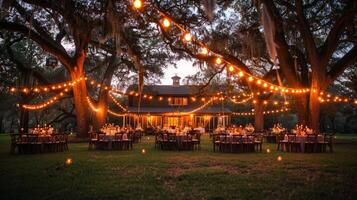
x=264, y=112
x=45, y=104
x=137, y=4
x=115, y=113
x=166, y=22
x=204, y=51
x=242, y=101
x=231, y=68
x=47, y=88
x=91, y=105
x=117, y=102
x=187, y=37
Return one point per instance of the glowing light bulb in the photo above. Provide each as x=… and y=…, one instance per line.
x=240, y=74
x=280, y=158
x=143, y=151
x=218, y=61
x=166, y=22
x=69, y=161
x=250, y=79
x=259, y=82
x=204, y=51
x=268, y=150
x=138, y=4
x=231, y=68
x=12, y=90
x=187, y=37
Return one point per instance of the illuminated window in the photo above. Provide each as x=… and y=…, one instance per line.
x=178, y=101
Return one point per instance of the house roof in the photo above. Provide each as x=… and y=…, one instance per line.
x=173, y=109
x=166, y=89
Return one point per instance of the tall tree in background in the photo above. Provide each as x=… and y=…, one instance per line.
x=320, y=37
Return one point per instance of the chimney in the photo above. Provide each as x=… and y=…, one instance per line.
x=176, y=80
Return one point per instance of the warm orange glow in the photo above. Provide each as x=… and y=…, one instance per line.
x=231, y=68
x=143, y=151
x=280, y=158
x=240, y=74
x=187, y=37
x=166, y=22
x=218, y=61
x=204, y=51
x=268, y=150
x=265, y=102
x=12, y=90
x=160, y=98
x=69, y=161
x=259, y=82
x=250, y=79
x=137, y=4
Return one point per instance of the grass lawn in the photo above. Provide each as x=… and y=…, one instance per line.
x=178, y=175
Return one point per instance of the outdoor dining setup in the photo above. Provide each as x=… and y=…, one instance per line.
x=41, y=139
x=175, y=138
x=114, y=137
x=237, y=139
x=304, y=139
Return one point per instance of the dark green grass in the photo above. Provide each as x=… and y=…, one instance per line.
x=178, y=175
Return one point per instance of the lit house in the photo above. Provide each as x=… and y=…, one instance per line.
x=175, y=105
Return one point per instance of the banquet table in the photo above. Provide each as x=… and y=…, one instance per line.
x=111, y=138
x=302, y=140
x=200, y=129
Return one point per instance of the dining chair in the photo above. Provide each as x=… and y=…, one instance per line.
x=311, y=143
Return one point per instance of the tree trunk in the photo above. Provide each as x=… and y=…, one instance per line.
x=258, y=116
x=80, y=98
x=100, y=118
x=302, y=109
x=314, y=109
x=24, y=120
x=24, y=113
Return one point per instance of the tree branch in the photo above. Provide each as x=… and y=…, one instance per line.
x=45, y=43
x=334, y=35
x=338, y=68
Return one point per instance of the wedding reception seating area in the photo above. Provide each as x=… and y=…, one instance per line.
x=304, y=139
x=114, y=137
x=169, y=138
x=206, y=99
x=42, y=139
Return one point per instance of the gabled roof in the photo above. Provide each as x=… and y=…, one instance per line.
x=171, y=109
x=166, y=89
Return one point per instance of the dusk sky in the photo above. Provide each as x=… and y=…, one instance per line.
x=183, y=69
